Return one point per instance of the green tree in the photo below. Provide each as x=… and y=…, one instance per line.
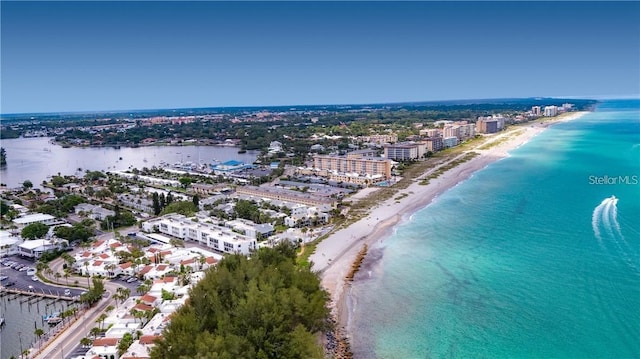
x=196, y=200
x=39, y=332
x=265, y=307
x=86, y=342
x=3, y=157
x=101, y=319
x=156, y=203
x=186, y=208
x=247, y=210
x=27, y=185
x=34, y=230
x=58, y=181
x=95, y=331
x=185, y=181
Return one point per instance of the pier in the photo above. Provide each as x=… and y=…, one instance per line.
x=32, y=295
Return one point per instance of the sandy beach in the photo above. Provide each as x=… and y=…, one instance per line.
x=334, y=255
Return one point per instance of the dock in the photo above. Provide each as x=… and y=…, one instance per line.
x=34, y=294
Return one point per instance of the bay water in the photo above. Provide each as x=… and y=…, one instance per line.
x=36, y=159
x=536, y=256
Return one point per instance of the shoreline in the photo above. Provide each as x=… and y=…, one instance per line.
x=335, y=255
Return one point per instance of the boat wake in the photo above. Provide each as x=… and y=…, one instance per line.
x=605, y=219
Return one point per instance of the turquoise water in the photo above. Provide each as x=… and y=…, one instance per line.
x=529, y=258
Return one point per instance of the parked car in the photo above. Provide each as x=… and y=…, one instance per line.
x=24, y=269
x=3, y=277
x=9, y=284
x=35, y=278
x=18, y=266
x=31, y=271
x=132, y=279
x=125, y=278
x=67, y=292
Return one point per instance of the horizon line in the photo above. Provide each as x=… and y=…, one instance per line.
x=597, y=98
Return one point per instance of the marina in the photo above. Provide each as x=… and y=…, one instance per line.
x=23, y=165
x=22, y=314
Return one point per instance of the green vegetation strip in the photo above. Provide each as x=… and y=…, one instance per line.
x=435, y=174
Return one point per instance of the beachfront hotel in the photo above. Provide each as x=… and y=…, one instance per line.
x=490, y=124
x=354, y=162
x=287, y=195
x=405, y=151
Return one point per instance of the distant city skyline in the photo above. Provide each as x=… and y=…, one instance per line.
x=107, y=56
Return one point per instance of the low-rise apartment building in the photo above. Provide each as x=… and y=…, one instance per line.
x=213, y=236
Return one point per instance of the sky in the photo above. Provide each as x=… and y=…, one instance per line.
x=96, y=56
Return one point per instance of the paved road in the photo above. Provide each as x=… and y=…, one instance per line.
x=68, y=341
x=20, y=280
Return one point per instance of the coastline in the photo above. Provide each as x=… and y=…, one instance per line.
x=335, y=255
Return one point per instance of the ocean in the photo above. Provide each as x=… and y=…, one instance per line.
x=536, y=256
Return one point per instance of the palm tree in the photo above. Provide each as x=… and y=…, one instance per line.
x=95, y=331
x=142, y=288
x=86, y=342
x=201, y=260
x=101, y=319
x=86, y=266
x=58, y=275
x=66, y=275
x=39, y=333
x=110, y=268
x=109, y=308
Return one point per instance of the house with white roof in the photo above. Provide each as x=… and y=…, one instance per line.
x=250, y=228
x=24, y=221
x=94, y=212
x=35, y=248
x=157, y=271
x=213, y=236
x=9, y=244
x=119, y=329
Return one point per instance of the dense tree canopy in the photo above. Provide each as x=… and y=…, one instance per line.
x=187, y=208
x=78, y=232
x=259, y=307
x=34, y=230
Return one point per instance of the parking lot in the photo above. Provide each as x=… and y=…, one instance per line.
x=21, y=280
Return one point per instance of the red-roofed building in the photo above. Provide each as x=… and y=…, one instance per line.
x=209, y=262
x=97, y=244
x=143, y=307
x=191, y=264
x=149, y=299
x=146, y=269
x=104, y=348
x=126, y=268
x=108, y=342
x=149, y=339
x=165, y=280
